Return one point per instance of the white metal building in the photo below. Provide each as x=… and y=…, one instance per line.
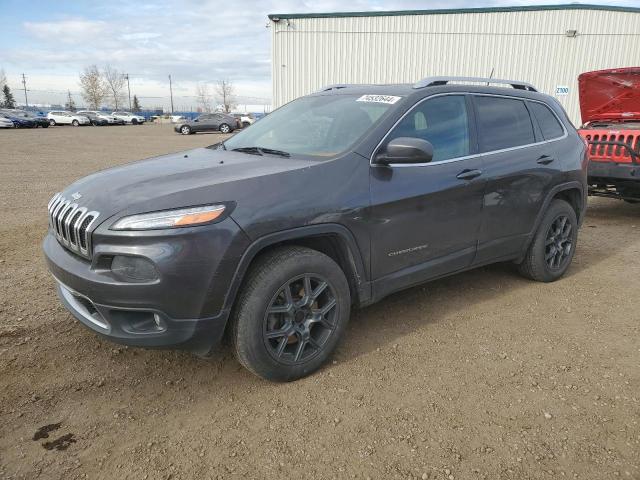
x=548, y=46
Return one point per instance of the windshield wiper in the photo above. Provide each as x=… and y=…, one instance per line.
x=271, y=151
x=249, y=150
x=262, y=151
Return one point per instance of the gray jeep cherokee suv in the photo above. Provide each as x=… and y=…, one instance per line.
x=335, y=200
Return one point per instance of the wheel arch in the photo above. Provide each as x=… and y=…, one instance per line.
x=334, y=240
x=573, y=193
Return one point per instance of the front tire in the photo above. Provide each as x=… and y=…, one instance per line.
x=290, y=314
x=134, y=121
x=75, y=123
x=52, y=122
x=185, y=130
x=553, y=245
x=224, y=128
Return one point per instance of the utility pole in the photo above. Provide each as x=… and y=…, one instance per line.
x=171, y=92
x=24, y=83
x=126, y=75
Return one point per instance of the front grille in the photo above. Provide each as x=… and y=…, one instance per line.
x=611, y=153
x=71, y=224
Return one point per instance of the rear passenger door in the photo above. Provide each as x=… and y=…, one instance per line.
x=518, y=166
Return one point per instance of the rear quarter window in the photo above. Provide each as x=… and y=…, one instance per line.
x=547, y=121
x=503, y=123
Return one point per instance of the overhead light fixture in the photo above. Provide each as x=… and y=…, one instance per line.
x=571, y=33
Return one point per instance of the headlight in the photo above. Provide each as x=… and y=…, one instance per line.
x=183, y=217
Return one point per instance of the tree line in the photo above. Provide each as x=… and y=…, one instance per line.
x=223, y=92
x=97, y=88
x=7, y=100
x=105, y=86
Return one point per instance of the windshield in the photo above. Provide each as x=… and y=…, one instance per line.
x=316, y=126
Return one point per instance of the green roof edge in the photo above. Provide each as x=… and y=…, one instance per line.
x=392, y=13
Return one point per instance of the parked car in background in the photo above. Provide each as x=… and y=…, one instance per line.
x=610, y=108
x=62, y=117
x=333, y=201
x=18, y=121
x=96, y=118
x=245, y=119
x=209, y=122
x=178, y=119
x=37, y=120
x=129, y=117
x=6, y=122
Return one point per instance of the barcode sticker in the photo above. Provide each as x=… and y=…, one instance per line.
x=379, y=99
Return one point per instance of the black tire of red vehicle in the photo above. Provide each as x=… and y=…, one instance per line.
x=553, y=245
x=283, y=337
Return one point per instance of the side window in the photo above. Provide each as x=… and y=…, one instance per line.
x=548, y=122
x=503, y=123
x=442, y=121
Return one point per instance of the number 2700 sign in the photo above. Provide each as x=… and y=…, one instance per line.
x=562, y=90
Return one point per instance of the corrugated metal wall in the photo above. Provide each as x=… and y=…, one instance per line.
x=527, y=45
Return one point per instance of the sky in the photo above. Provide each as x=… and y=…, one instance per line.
x=194, y=41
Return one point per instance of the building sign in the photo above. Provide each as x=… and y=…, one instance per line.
x=562, y=90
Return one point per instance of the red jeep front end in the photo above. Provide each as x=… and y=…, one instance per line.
x=610, y=108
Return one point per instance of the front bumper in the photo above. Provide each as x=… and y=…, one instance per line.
x=608, y=171
x=183, y=308
x=142, y=327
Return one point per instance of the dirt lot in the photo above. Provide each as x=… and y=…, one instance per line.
x=481, y=375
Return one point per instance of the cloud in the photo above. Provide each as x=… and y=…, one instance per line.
x=193, y=40
x=66, y=31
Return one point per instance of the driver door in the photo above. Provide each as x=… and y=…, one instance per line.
x=426, y=217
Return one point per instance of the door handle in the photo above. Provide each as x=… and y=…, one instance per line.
x=545, y=160
x=468, y=174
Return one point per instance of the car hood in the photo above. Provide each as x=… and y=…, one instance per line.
x=610, y=94
x=193, y=177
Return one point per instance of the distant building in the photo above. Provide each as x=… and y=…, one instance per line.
x=548, y=46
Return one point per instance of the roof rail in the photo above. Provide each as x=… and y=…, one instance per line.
x=435, y=81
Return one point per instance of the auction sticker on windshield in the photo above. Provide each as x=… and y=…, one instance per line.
x=379, y=99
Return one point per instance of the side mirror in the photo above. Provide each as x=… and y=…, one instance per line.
x=406, y=150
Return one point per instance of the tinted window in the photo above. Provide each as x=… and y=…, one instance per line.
x=549, y=124
x=442, y=121
x=503, y=123
x=320, y=126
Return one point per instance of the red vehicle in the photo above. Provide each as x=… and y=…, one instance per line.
x=610, y=108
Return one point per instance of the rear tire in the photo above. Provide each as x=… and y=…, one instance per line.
x=553, y=245
x=134, y=121
x=224, y=128
x=45, y=125
x=75, y=123
x=52, y=122
x=185, y=130
x=282, y=336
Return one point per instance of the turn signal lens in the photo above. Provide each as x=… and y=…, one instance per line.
x=183, y=217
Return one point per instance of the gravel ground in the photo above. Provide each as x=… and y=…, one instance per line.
x=482, y=375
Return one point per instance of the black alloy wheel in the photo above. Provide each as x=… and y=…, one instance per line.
x=300, y=319
x=559, y=243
